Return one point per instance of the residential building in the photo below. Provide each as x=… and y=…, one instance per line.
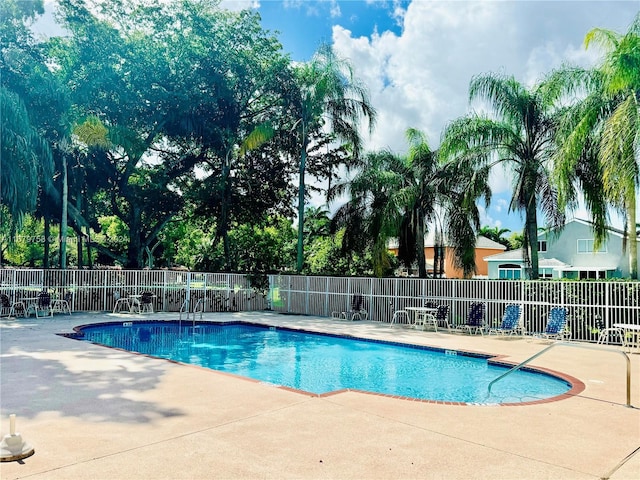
x=568, y=253
x=484, y=247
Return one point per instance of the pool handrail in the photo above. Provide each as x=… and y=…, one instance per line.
x=570, y=344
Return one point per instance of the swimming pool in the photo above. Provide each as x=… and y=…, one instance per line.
x=321, y=363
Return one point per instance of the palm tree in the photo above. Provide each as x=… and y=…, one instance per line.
x=404, y=197
x=496, y=234
x=600, y=134
x=372, y=214
x=25, y=157
x=317, y=222
x=518, y=133
x=329, y=96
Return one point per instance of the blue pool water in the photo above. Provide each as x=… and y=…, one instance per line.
x=322, y=363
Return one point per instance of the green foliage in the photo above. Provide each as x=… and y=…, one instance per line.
x=518, y=131
x=329, y=95
x=266, y=248
x=403, y=197
x=599, y=134
x=29, y=110
x=26, y=246
x=114, y=235
x=516, y=240
x=496, y=234
x=159, y=89
x=325, y=256
x=177, y=128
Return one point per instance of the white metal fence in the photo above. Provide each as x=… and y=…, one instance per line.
x=591, y=304
x=98, y=290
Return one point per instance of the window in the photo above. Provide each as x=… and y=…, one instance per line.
x=585, y=245
x=592, y=275
x=545, y=272
x=509, y=272
x=542, y=246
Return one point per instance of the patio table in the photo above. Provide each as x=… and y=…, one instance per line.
x=630, y=335
x=424, y=313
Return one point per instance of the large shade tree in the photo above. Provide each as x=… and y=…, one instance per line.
x=330, y=97
x=25, y=105
x=516, y=131
x=174, y=86
x=599, y=136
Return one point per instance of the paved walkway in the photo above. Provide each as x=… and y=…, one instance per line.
x=97, y=413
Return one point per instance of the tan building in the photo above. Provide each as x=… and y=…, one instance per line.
x=484, y=247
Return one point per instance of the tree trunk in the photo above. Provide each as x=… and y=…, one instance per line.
x=301, y=191
x=224, y=210
x=79, y=239
x=134, y=252
x=531, y=226
x=422, y=263
x=89, y=259
x=47, y=245
x=633, y=239
x=63, y=220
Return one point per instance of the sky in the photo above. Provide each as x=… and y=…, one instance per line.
x=418, y=57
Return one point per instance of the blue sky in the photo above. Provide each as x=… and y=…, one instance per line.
x=418, y=56
x=303, y=25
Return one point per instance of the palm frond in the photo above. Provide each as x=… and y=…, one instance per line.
x=92, y=132
x=260, y=135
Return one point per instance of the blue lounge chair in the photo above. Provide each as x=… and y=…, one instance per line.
x=556, y=325
x=442, y=316
x=475, y=319
x=511, y=321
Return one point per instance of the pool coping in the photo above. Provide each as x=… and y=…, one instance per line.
x=576, y=385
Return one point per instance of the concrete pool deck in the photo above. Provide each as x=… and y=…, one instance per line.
x=97, y=413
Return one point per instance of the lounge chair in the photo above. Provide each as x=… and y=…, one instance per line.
x=62, y=305
x=442, y=317
x=475, y=319
x=511, y=321
x=607, y=335
x=146, y=302
x=11, y=309
x=43, y=305
x=122, y=303
x=357, y=311
x=397, y=315
x=556, y=325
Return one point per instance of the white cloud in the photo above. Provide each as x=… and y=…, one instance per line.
x=334, y=9
x=237, y=5
x=420, y=78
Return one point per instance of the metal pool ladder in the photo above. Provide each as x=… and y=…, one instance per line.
x=198, y=308
x=576, y=345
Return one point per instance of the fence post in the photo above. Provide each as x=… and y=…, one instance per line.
x=326, y=298
x=164, y=291
x=306, y=296
x=607, y=303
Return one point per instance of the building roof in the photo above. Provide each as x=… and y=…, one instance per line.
x=516, y=256
x=611, y=230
